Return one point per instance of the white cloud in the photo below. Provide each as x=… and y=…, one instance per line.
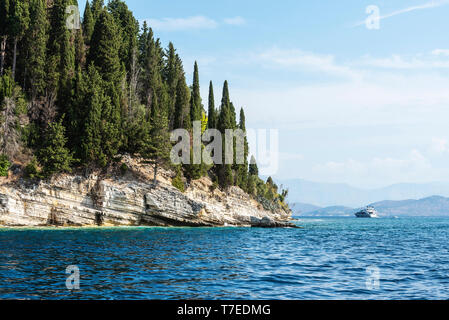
x=432, y=61
x=441, y=52
x=294, y=58
x=235, y=21
x=176, y=24
x=381, y=100
x=290, y=156
x=439, y=146
x=387, y=169
x=428, y=5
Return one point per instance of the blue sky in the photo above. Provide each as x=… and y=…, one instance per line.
x=365, y=107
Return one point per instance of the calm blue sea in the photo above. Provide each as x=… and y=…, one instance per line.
x=330, y=258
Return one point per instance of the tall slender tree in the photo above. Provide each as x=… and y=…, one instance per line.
x=172, y=73
x=105, y=47
x=157, y=147
x=88, y=23
x=4, y=32
x=196, y=105
x=182, y=106
x=225, y=174
x=212, y=112
x=128, y=29
x=18, y=21
x=97, y=7
x=36, y=49
x=242, y=169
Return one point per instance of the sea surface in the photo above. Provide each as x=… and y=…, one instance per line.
x=330, y=258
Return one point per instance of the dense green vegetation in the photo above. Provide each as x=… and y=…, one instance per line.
x=81, y=97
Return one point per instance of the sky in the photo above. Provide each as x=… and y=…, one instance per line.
x=357, y=105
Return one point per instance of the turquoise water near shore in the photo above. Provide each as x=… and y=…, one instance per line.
x=330, y=258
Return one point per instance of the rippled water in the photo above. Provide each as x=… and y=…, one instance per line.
x=328, y=259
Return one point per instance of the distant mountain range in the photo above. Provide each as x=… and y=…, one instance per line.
x=327, y=194
x=430, y=206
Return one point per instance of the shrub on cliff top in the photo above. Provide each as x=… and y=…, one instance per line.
x=32, y=170
x=124, y=168
x=177, y=181
x=4, y=165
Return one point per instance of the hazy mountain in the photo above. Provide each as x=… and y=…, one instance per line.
x=430, y=206
x=301, y=208
x=334, y=211
x=327, y=194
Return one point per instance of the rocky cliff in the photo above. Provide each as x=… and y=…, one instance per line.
x=129, y=199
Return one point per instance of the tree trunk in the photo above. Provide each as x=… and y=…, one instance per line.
x=155, y=173
x=14, y=59
x=3, y=53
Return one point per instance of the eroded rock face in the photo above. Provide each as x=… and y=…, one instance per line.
x=75, y=200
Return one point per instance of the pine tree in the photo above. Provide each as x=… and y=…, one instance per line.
x=4, y=32
x=88, y=23
x=212, y=112
x=54, y=155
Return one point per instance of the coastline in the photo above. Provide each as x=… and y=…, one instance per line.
x=111, y=199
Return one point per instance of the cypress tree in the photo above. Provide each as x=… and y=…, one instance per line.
x=37, y=45
x=101, y=135
x=158, y=145
x=225, y=100
x=104, y=55
x=196, y=105
x=225, y=174
x=60, y=66
x=96, y=8
x=128, y=29
x=4, y=32
x=182, y=106
x=253, y=169
x=233, y=116
x=143, y=45
x=94, y=99
x=105, y=46
x=172, y=73
x=80, y=50
x=212, y=112
x=88, y=24
x=242, y=169
x=18, y=23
